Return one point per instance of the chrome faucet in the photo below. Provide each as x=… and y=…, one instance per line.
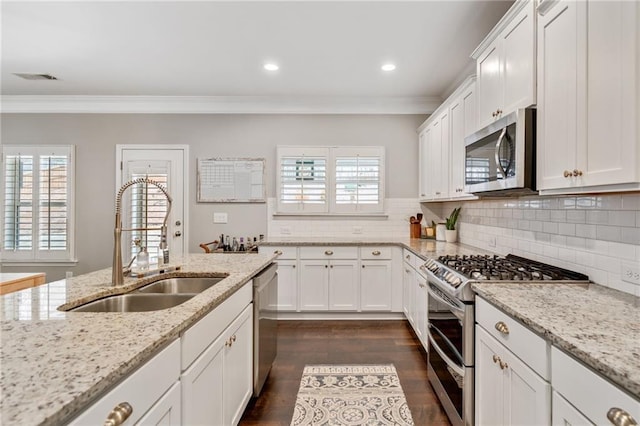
x=117, y=271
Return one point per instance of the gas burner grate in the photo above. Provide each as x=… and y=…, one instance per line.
x=511, y=267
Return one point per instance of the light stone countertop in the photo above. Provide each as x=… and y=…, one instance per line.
x=53, y=364
x=597, y=325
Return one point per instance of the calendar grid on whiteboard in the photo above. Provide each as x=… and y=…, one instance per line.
x=239, y=180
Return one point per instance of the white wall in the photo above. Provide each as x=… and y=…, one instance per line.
x=223, y=135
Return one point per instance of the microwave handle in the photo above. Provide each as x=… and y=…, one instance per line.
x=500, y=139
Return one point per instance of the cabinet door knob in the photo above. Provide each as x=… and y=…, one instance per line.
x=493, y=114
x=496, y=359
x=278, y=252
x=577, y=172
x=293, y=266
x=331, y=266
x=375, y=253
x=408, y=257
x=619, y=417
x=503, y=365
x=328, y=252
x=502, y=327
x=363, y=266
x=119, y=414
x=567, y=173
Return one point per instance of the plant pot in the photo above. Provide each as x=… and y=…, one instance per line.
x=451, y=235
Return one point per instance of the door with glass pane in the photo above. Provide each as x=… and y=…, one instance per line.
x=145, y=206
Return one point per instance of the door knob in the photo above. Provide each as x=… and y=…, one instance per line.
x=178, y=223
x=178, y=234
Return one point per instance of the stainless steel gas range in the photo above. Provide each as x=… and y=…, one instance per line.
x=451, y=320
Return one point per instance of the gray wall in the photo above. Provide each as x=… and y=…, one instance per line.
x=95, y=137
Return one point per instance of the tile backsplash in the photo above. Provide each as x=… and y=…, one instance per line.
x=395, y=223
x=596, y=234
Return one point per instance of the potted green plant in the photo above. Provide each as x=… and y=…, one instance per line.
x=451, y=233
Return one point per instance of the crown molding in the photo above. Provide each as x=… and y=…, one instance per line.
x=68, y=104
x=500, y=26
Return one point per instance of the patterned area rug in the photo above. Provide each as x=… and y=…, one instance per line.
x=350, y=395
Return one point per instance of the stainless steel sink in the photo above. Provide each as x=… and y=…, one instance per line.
x=191, y=285
x=134, y=303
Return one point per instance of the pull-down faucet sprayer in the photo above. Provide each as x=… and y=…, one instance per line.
x=117, y=272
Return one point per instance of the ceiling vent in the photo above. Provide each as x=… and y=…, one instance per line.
x=29, y=76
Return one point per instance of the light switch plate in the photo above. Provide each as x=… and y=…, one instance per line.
x=220, y=217
x=357, y=229
x=285, y=230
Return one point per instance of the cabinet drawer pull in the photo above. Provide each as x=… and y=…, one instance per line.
x=119, y=414
x=328, y=252
x=619, y=417
x=503, y=365
x=496, y=359
x=278, y=252
x=228, y=343
x=376, y=252
x=502, y=327
x=577, y=172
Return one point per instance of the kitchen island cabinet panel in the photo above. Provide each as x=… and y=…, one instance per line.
x=167, y=411
x=140, y=390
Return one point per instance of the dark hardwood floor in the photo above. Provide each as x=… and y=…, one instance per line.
x=344, y=342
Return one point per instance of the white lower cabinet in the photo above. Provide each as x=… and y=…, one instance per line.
x=143, y=392
x=593, y=397
x=287, y=261
x=508, y=392
x=165, y=412
x=218, y=385
x=565, y=414
x=416, y=299
x=408, y=282
x=512, y=371
x=375, y=285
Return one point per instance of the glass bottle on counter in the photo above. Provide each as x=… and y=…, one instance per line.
x=142, y=259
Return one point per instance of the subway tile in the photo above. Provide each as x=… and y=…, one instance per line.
x=576, y=216
x=608, y=263
x=576, y=242
x=523, y=245
x=630, y=236
x=523, y=224
x=550, y=227
x=610, y=202
x=550, y=203
x=506, y=213
x=536, y=226
x=622, y=251
x=529, y=214
x=631, y=202
x=586, y=202
x=535, y=204
x=517, y=214
x=609, y=233
x=550, y=251
x=536, y=248
x=597, y=246
x=622, y=218
x=567, y=255
x=558, y=240
x=558, y=216
x=586, y=231
x=585, y=258
x=542, y=237
x=638, y=219
x=567, y=203
x=598, y=217
x=543, y=215
x=567, y=229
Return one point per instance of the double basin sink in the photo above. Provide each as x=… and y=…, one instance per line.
x=161, y=294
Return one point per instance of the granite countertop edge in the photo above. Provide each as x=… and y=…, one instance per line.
x=65, y=406
x=630, y=385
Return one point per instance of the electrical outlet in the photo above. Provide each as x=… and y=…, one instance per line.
x=357, y=229
x=492, y=241
x=630, y=272
x=68, y=274
x=220, y=218
x=285, y=230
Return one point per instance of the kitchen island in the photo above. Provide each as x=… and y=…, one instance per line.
x=54, y=364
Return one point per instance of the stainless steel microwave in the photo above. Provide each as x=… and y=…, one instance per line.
x=500, y=158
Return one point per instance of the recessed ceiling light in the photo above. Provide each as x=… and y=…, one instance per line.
x=271, y=67
x=388, y=67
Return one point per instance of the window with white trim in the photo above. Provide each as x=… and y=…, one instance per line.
x=37, y=203
x=330, y=180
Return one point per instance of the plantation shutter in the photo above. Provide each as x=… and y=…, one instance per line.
x=37, y=213
x=303, y=180
x=359, y=180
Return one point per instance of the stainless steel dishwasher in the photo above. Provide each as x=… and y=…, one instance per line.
x=265, y=325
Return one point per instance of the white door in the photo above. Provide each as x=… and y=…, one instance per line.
x=145, y=206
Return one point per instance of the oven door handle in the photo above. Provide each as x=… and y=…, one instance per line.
x=497, y=154
x=459, y=313
x=448, y=343
x=455, y=367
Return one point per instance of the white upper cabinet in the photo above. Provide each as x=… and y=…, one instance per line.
x=505, y=63
x=588, y=82
x=462, y=114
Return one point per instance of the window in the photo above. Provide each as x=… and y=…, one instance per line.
x=327, y=180
x=37, y=197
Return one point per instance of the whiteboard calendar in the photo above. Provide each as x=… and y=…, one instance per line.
x=231, y=180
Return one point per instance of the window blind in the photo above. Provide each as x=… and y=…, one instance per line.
x=357, y=180
x=37, y=196
x=303, y=181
